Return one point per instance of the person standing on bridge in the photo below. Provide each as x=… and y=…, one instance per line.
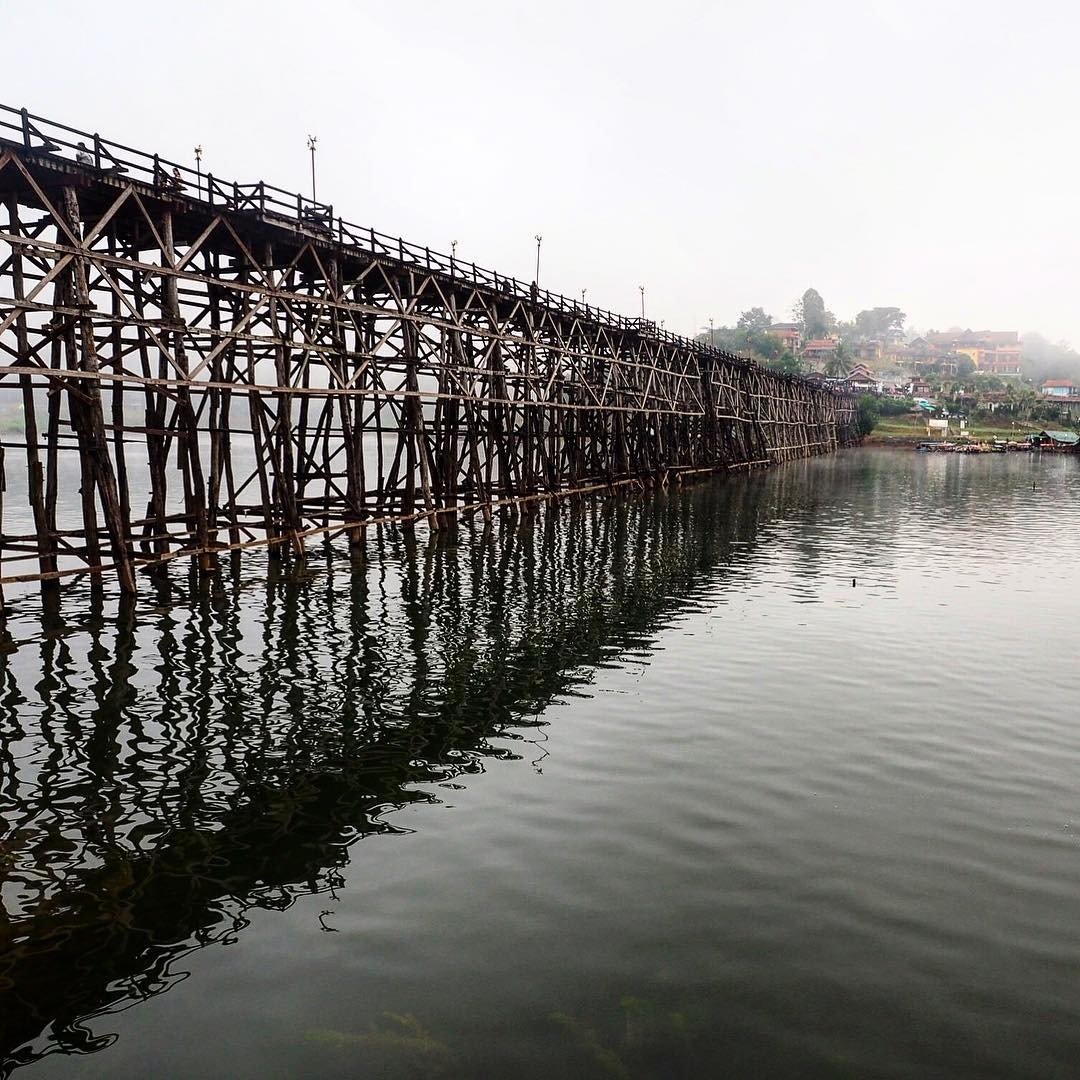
x=83, y=155
x=534, y=293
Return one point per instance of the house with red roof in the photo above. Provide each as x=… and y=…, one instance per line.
x=819, y=350
x=1059, y=388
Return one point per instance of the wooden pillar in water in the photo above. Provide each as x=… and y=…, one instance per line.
x=46, y=536
x=188, y=433
x=84, y=396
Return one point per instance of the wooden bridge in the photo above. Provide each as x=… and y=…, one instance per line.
x=193, y=366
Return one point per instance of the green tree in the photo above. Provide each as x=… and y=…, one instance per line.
x=787, y=363
x=811, y=315
x=723, y=337
x=754, y=321
x=767, y=346
x=879, y=322
x=867, y=414
x=846, y=331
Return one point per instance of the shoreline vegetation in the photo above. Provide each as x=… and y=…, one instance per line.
x=911, y=430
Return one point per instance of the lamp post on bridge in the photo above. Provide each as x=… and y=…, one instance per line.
x=641, y=289
x=311, y=141
x=539, y=238
x=198, y=170
x=583, y=292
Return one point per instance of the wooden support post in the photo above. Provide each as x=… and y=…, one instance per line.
x=44, y=525
x=285, y=489
x=85, y=403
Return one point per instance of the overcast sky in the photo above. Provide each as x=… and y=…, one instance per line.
x=892, y=152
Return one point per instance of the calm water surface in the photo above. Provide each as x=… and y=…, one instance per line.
x=646, y=788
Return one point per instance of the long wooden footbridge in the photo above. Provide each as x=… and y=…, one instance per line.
x=194, y=366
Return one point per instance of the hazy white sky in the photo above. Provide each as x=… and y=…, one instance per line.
x=922, y=154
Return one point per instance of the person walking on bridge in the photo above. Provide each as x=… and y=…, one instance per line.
x=83, y=155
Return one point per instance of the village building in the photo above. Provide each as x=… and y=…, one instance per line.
x=992, y=352
x=1055, y=440
x=1005, y=363
x=870, y=351
x=790, y=335
x=1062, y=389
x=939, y=364
x=861, y=380
x=819, y=350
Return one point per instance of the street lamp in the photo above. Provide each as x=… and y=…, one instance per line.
x=538, y=239
x=311, y=141
x=641, y=289
x=198, y=169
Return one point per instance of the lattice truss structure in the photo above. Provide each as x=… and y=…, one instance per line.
x=191, y=379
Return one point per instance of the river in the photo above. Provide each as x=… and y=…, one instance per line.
x=771, y=777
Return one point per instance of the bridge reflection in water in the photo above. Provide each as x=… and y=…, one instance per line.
x=168, y=767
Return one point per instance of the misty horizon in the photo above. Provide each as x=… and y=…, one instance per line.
x=884, y=154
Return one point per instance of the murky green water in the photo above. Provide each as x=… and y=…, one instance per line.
x=646, y=788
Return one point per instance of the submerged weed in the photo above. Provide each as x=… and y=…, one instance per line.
x=396, y=1045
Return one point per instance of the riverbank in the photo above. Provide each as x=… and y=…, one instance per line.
x=911, y=430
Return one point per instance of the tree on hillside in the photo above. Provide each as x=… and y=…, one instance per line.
x=767, y=346
x=750, y=336
x=724, y=337
x=846, y=331
x=810, y=314
x=754, y=321
x=879, y=322
x=787, y=363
